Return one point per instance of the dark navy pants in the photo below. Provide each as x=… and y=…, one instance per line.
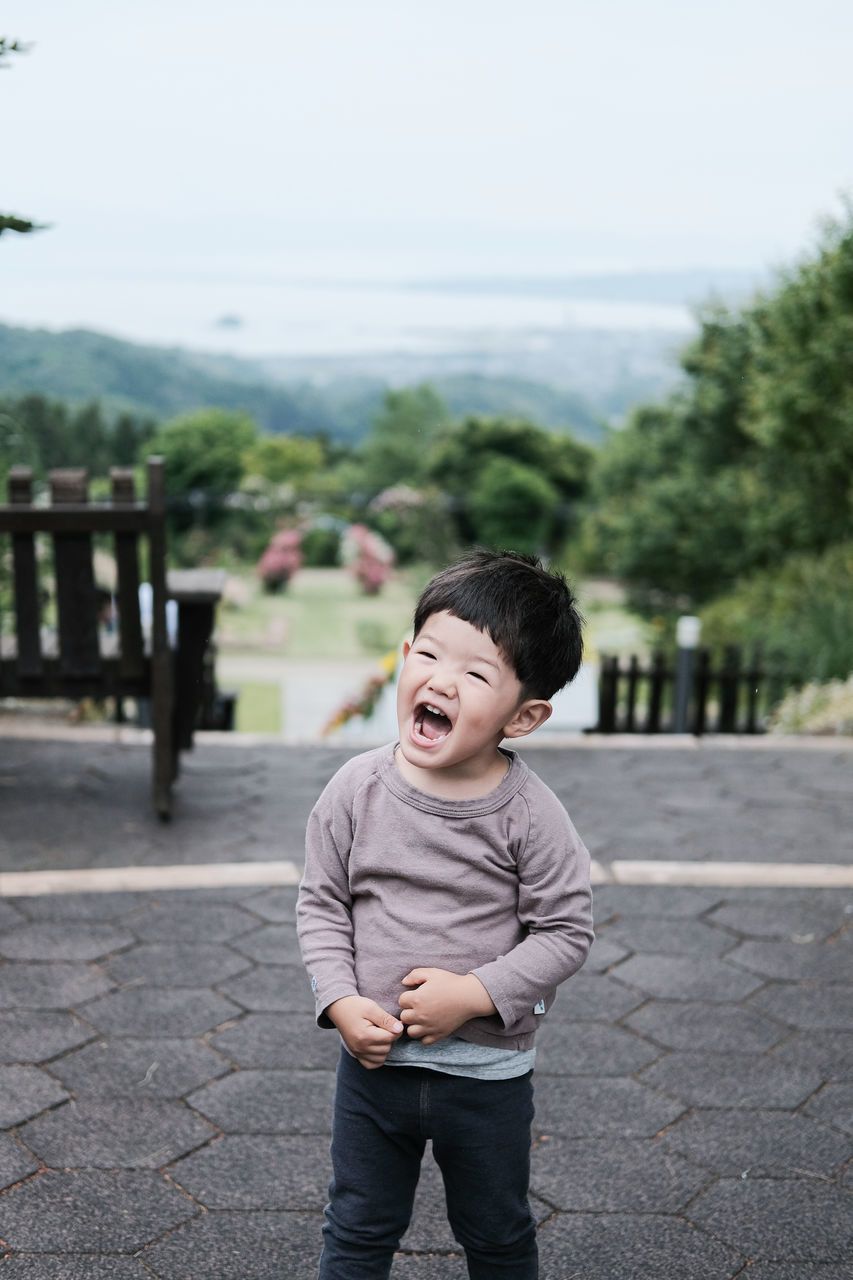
x=480, y=1132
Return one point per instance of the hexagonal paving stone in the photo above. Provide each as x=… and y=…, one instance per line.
x=688, y=1024
x=277, y=1040
x=49, y=986
x=277, y=905
x=779, y=1219
x=669, y=937
x=633, y=1176
x=632, y=1247
x=731, y=1080
x=240, y=1246
x=590, y=1049
x=156, y=1011
x=116, y=1133
x=268, y=1101
x=185, y=964
x=440, y=1266
x=592, y=996
x=828, y=1052
x=665, y=903
x=15, y=1162
x=193, y=921
x=777, y=920
x=160, y=1068
x=797, y=1271
x=758, y=1143
x=24, y=1092
x=272, y=944
x=69, y=1266
x=809, y=1005
x=9, y=915
x=683, y=978
x=91, y=1211
x=89, y=941
x=272, y=988
x=581, y=1107
x=30, y=1036
x=263, y=1171
x=79, y=906
x=834, y=1105
x=606, y=951
x=792, y=961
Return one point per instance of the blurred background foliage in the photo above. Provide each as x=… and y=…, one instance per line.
x=731, y=497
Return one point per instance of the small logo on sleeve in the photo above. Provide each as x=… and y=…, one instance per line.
x=539, y=1006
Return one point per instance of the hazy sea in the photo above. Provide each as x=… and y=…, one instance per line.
x=298, y=317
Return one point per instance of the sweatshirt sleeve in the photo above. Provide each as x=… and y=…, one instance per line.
x=324, y=905
x=555, y=908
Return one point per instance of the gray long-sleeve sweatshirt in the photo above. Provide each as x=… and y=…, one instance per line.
x=396, y=878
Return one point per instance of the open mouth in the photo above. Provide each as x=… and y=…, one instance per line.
x=430, y=723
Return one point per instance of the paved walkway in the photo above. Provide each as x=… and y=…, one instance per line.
x=165, y=1096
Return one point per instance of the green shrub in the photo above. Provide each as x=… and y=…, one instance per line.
x=800, y=613
x=321, y=548
x=816, y=708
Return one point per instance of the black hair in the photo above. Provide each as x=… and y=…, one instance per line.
x=529, y=612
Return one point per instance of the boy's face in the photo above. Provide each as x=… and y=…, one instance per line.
x=458, y=697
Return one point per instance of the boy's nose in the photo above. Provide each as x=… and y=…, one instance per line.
x=443, y=682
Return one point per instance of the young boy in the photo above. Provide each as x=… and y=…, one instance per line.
x=445, y=896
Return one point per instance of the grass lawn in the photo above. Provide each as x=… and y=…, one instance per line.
x=322, y=616
x=258, y=708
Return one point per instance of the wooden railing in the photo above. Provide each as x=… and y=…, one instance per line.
x=724, y=696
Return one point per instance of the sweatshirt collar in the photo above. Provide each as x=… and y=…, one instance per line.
x=510, y=785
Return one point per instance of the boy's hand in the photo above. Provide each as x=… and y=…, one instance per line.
x=441, y=1001
x=367, y=1030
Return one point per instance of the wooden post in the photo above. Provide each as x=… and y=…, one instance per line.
x=165, y=754
x=631, y=694
x=76, y=597
x=658, y=676
x=607, y=692
x=132, y=660
x=753, y=677
x=25, y=572
x=701, y=688
x=729, y=679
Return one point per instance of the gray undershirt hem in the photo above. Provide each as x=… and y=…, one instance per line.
x=457, y=1057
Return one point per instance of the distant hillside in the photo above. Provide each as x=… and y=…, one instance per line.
x=80, y=366
x=339, y=396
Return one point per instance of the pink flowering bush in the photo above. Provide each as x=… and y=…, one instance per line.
x=281, y=560
x=368, y=557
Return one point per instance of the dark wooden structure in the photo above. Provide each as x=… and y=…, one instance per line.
x=79, y=653
x=727, y=696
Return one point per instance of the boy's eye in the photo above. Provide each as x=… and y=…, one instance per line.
x=478, y=676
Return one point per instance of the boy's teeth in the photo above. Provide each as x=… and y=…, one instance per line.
x=432, y=723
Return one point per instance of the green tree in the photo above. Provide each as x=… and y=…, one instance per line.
x=284, y=459
x=204, y=453
x=462, y=458
x=512, y=507
x=801, y=391
x=402, y=435
x=751, y=460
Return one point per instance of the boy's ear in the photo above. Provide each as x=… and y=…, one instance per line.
x=406, y=648
x=529, y=716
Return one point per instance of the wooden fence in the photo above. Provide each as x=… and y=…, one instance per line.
x=730, y=696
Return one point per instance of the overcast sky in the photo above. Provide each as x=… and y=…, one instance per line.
x=383, y=138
